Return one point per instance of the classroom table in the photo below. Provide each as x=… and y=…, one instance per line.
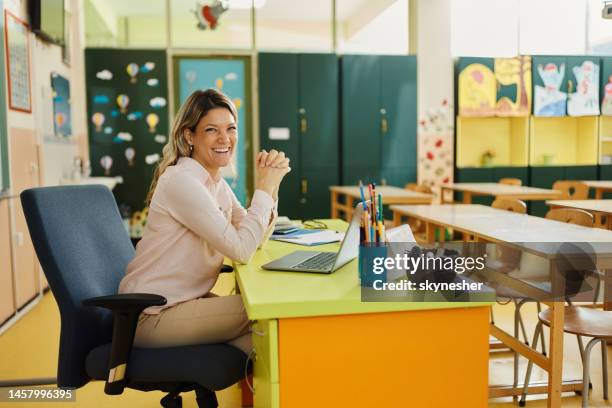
x=499, y=190
x=599, y=208
x=600, y=186
x=390, y=195
x=535, y=235
x=318, y=345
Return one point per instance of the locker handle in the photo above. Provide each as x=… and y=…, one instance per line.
x=304, y=186
x=303, y=121
x=384, y=124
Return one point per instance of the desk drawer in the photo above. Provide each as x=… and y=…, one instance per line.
x=265, y=365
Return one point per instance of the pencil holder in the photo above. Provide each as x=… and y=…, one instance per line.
x=371, y=263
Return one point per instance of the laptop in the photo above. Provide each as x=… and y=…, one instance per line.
x=319, y=261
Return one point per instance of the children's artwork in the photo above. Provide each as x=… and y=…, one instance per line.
x=208, y=14
x=549, y=99
x=104, y=75
x=606, y=104
x=583, y=98
x=477, y=91
x=61, y=105
x=18, y=61
x=514, y=91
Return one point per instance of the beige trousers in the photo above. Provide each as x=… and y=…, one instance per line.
x=210, y=319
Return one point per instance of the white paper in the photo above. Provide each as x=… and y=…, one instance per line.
x=278, y=133
x=323, y=237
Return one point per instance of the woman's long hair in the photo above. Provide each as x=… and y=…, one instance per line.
x=195, y=108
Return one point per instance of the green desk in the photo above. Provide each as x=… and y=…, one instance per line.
x=316, y=343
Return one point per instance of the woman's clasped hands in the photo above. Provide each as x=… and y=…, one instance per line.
x=271, y=167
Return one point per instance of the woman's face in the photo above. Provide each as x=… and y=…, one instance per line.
x=214, y=139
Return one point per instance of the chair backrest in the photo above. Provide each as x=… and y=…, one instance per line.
x=511, y=181
x=509, y=204
x=419, y=188
x=84, y=249
x=571, y=216
x=572, y=190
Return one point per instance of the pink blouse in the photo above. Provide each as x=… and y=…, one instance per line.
x=194, y=221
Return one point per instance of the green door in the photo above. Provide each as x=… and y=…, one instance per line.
x=398, y=117
x=318, y=132
x=278, y=107
x=549, y=75
x=361, y=122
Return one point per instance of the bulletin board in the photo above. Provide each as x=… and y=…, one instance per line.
x=62, y=118
x=229, y=75
x=18, y=63
x=127, y=94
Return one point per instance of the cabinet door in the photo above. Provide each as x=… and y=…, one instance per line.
x=544, y=177
x=605, y=173
x=366, y=174
x=581, y=173
x=7, y=300
x=514, y=172
x=583, y=86
x=476, y=87
x=361, y=122
x=278, y=106
x=474, y=175
x=318, y=132
x=25, y=262
x=550, y=76
x=398, y=104
x=606, y=86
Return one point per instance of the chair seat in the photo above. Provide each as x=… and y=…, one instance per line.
x=583, y=321
x=213, y=366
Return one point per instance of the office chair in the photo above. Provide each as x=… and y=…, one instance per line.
x=84, y=249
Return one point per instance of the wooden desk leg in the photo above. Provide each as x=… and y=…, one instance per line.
x=334, y=209
x=598, y=194
x=467, y=197
x=555, y=370
x=430, y=232
x=442, y=195
x=397, y=219
x=350, y=203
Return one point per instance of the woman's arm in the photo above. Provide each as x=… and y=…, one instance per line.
x=238, y=214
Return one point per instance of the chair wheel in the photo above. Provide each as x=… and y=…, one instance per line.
x=170, y=401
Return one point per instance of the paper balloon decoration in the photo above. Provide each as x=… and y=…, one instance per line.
x=60, y=119
x=106, y=162
x=129, y=155
x=123, y=101
x=152, y=120
x=191, y=76
x=98, y=119
x=132, y=70
x=237, y=103
x=219, y=83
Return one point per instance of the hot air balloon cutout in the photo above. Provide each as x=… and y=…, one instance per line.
x=130, y=153
x=237, y=103
x=123, y=101
x=60, y=119
x=98, y=119
x=191, y=76
x=219, y=84
x=152, y=120
x=106, y=162
x=132, y=70
x=147, y=67
x=208, y=14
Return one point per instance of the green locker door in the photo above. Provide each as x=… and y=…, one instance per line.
x=318, y=132
x=360, y=101
x=544, y=177
x=514, y=172
x=474, y=175
x=551, y=72
x=606, y=86
x=278, y=107
x=398, y=119
x=581, y=173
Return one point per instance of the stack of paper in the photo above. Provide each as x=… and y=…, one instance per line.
x=310, y=237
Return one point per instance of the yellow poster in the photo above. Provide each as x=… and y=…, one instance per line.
x=477, y=93
x=513, y=77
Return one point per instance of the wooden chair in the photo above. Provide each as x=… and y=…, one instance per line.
x=511, y=181
x=509, y=204
x=571, y=216
x=572, y=190
x=419, y=188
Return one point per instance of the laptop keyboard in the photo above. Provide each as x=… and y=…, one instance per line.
x=323, y=261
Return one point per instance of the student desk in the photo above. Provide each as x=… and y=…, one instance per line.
x=599, y=208
x=519, y=230
x=499, y=190
x=318, y=345
x=600, y=187
x=390, y=195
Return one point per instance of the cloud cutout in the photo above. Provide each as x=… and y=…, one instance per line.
x=104, y=75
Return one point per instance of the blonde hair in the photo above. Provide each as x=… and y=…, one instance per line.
x=197, y=105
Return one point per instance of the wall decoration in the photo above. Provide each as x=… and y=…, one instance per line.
x=435, y=147
x=157, y=102
x=18, y=63
x=583, y=94
x=108, y=130
x=606, y=104
x=152, y=158
x=152, y=120
x=477, y=91
x=513, y=77
x=203, y=73
x=61, y=105
x=123, y=101
x=208, y=14
x=98, y=119
x=132, y=70
x=106, y=162
x=129, y=130
x=101, y=99
x=549, y=100
x=104, y=75
x=160, y=138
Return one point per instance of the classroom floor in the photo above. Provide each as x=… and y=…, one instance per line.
x=29, y=349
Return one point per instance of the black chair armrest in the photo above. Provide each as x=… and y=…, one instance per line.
x=126, y=308
x=226, y=269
